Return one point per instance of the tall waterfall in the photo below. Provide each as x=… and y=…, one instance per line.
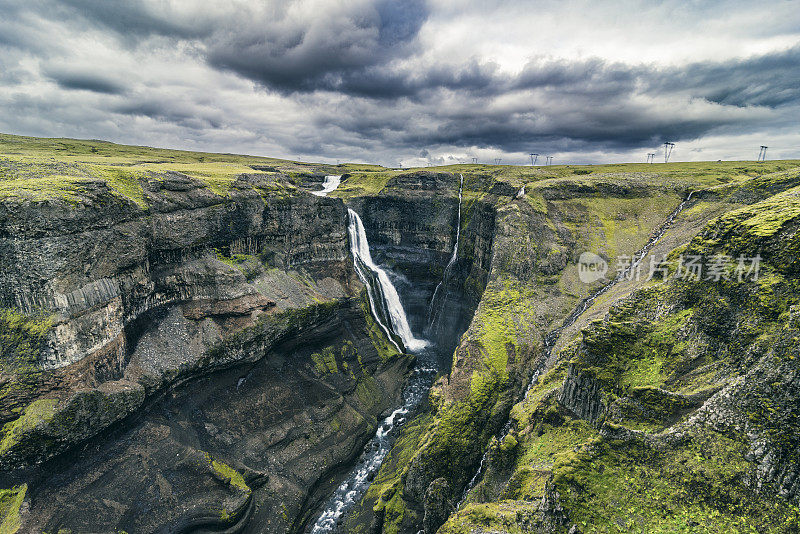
x=382, y=294
x=328, y=186
x=432, y=307
x=385, y=302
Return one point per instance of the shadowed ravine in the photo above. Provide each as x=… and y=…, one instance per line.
x=188, y=355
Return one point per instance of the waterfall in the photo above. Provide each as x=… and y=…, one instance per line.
x=453, y=257
x=328, y=186
x=384, y=302
x=380, y=290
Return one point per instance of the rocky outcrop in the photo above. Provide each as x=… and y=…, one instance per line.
x=285, y=416
x=102, y=263
x=581, y=394
x=679, y=401
x=438, y=505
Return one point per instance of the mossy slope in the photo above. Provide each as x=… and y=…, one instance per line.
x=676, y=413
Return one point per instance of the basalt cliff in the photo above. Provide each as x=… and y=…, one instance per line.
x=186, y=345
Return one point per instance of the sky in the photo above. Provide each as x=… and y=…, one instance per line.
x=409, y=82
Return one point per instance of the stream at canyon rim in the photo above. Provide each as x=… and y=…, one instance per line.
x=330, y=184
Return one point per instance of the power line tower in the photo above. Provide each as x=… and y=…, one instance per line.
x=497, y=161
x=668, y=150
x=534, y=157
x=475, y=161
x=651, y=156
x=762, y=154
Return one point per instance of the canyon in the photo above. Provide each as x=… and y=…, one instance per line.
x=213, y=343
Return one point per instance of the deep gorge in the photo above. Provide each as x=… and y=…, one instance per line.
x=203, y=360
x=199, y=354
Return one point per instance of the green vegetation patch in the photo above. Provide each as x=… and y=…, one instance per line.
x=508, y=517
x=753, y=229
x=701, y=486
x=385, y=492
x=227, y=472
x=36, y=413
x=10, y=503
x=22, y=339
x=364, y=184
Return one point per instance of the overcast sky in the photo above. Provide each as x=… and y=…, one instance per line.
x=408, y=81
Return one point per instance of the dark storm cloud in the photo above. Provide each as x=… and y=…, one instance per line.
x=290, y=52
x=572, y=103
x=184, y=114
x=86, y=81
x=136, y=18
x=358, y=76
x=769, y=80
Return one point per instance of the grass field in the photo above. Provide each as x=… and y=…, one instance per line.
x=41, y=168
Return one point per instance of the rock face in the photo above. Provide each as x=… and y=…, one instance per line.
x=103, y=262
x=215, y=348
x=644, y=402
x=284, y=423
x=219, y=344
x=674, y=400
x=438, y=505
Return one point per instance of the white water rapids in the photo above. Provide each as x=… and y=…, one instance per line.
x=350, y=491
x=328, y=186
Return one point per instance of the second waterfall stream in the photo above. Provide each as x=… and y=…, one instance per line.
x=432, y=309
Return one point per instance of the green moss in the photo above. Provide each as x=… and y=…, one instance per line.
x=702, y=486
x=754, y=229
x=506, y=307
x=125, y=182
x=614, y=226
x=386, y=491
x=495, y=517
x=325, y=361
x=38, y=412
x=544, y=445
x=227, y=472
x=42, y=169
x=386, y=350
x=368, y=391
x=10, y=503
x=537, y=202
x=364, y=184
x=22, y=339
